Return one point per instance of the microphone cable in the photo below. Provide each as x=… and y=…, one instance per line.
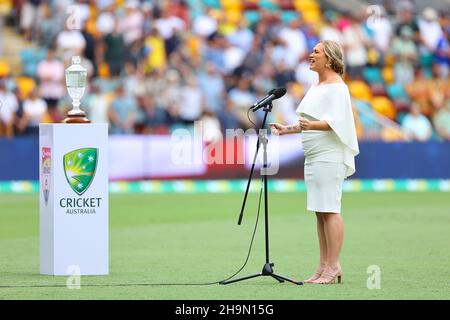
x=248, y=117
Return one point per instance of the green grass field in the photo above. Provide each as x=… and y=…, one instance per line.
x=194, y=238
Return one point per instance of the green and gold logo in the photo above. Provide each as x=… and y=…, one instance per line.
x=79, y=167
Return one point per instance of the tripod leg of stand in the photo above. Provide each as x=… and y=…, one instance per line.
x=241, y=279
x=278, y=277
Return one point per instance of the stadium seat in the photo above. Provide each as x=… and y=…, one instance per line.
x=396, y=91
x=288, y=16
x=366, y=118
x=360, y=90
x=388, y=74
x=286, y=4
x=233, y=16
x=268, y=4
x=389, y=60
x=25, y=85
x=378, y=89
x=372, y=75
x=103, y=70
x=232, y=5
x=401, y=116
x=30, y=59
x=402, y=106
x=251, y=5
x=372, y=56
x=309, y=10
x=384, y=106
x=391, y=134
x=213, y=4
x=4, y=68
x=252, y=16
x=426, y=60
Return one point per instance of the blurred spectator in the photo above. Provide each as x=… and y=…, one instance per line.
x=132, y=23
x=382, y=31
x=210, y=127
x=242, y=37
x=114, y=50
x=50, y=73
x=242, y=99
x=205, y=25
x=8, y=108
x=331, y=30
x=284, y=108
x=442, y=54
x=441, y=121
x=279, y=53
x=312, y=37
x=227, y=116
x=29, y=19
x=106, y=19
x=169, y=24
x=254, y=58
x=156, y=58
x=283, y=75
x=304, y=75
x=406, y=19
x=233, y=56
x=19, y=128
x=405, y=51
x=419, y=91
x=151, y=70
x=264, y=79
x=122, y=112
x=96, y=105
x=34, y=112
x=416, y=125
x=430, y=30
x=355, y=44
x=89, y=49
x=213, y=52
x=70, y=42
x=151, y=118
x=179, y=8
x=169, y=95
x=48, y=26
x=295, y=41
x=191, y=101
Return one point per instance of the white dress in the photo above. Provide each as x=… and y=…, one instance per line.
x=329, y=155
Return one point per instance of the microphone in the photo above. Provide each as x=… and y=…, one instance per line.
x=272, y=95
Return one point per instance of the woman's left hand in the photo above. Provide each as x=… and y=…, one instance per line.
x=305, y=124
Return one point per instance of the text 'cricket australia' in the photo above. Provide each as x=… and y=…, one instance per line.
x=80, y=205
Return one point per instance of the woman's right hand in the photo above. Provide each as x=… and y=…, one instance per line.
x=278, y=129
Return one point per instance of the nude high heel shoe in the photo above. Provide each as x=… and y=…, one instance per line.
x=317, y=274
x=330, y=276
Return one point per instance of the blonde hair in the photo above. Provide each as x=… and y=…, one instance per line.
x=333, y=52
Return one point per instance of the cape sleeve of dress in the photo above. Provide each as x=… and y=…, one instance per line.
x=333, y=105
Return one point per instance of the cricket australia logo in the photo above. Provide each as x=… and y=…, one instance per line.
x=79, y=167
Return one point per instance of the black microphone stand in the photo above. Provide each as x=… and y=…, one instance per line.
x=268, y=266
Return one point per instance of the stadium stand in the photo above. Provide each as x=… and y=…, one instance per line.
x=157, y=66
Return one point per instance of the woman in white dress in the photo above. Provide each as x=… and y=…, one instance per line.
x=329, y=142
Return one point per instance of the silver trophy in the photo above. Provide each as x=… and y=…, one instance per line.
x=76, y=76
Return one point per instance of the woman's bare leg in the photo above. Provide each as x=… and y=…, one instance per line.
x=322, y=248
x=334, y=234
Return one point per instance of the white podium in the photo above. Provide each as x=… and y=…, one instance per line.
x=73, y=199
